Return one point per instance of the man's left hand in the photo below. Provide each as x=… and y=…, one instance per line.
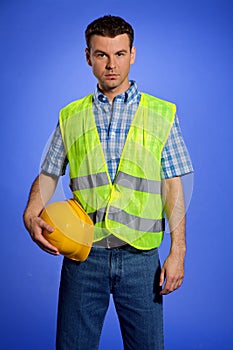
x=172, y=273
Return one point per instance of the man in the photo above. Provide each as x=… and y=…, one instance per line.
x=122, y=147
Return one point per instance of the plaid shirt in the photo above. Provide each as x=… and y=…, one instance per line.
x=113, y=123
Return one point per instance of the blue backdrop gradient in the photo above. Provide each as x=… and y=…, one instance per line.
x=185, y=55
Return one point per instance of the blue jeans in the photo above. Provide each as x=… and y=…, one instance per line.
x=132, y=276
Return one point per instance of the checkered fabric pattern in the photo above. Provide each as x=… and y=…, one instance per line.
x=113, y=123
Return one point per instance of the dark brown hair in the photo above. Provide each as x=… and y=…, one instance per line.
x=109, y=26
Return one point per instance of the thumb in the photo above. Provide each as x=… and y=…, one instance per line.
x=46, y=226
x=162, y=277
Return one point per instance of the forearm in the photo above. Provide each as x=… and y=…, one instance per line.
x=172, y=272
x=41, y=191
x=174, y=207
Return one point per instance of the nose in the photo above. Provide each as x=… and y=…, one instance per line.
x=111, y=64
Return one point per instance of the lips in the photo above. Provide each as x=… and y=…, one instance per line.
x=111, y=76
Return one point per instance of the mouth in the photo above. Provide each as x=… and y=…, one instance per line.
x=111, y=76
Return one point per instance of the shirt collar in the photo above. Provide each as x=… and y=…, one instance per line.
x=127, y=97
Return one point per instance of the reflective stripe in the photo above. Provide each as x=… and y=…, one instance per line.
x=135, y=222
x=89, y=181
x=139, y=184
x=132, y=221
x=122, y=179
x=98, y=215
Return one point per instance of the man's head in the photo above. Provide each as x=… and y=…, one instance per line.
x=109, y=26
x=110, y=53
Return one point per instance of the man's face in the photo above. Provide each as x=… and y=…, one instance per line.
x=110, y=59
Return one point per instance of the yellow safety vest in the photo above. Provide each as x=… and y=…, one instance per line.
x=131, y=207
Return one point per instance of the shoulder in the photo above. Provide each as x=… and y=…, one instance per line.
x=81, y=103
x=152, y=101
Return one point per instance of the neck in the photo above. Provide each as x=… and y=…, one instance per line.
x=112, y=93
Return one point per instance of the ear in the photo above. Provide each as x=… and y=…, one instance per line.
x=88, y=57
x=132, y=54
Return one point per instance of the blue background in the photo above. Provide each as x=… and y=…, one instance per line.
x=184, y=54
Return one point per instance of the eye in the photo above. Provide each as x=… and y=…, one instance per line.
x=100, y=54
x=120, y=54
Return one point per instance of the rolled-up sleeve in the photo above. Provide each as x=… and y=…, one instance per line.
x=175, y=156
x=55, y=161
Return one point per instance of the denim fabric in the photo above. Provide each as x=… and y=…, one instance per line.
x=132, y=276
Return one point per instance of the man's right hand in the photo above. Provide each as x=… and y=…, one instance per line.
x=35, y=226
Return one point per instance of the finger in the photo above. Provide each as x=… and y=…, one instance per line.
x=45, y=226
x=44, y=244
x=179, y=282
x=166, y=290
x=36, y=233
x=48, y=250
x=162, y=277
x=47, y=245
x=171, y=285
x=37, y=227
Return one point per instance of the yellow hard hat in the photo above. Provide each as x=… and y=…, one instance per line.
x=73, y=229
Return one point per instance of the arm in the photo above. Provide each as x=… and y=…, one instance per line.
x=172, y=272
x=41, y=191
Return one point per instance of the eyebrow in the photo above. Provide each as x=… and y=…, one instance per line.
x=100, y=51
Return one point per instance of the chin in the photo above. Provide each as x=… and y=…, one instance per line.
x=110, y=86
